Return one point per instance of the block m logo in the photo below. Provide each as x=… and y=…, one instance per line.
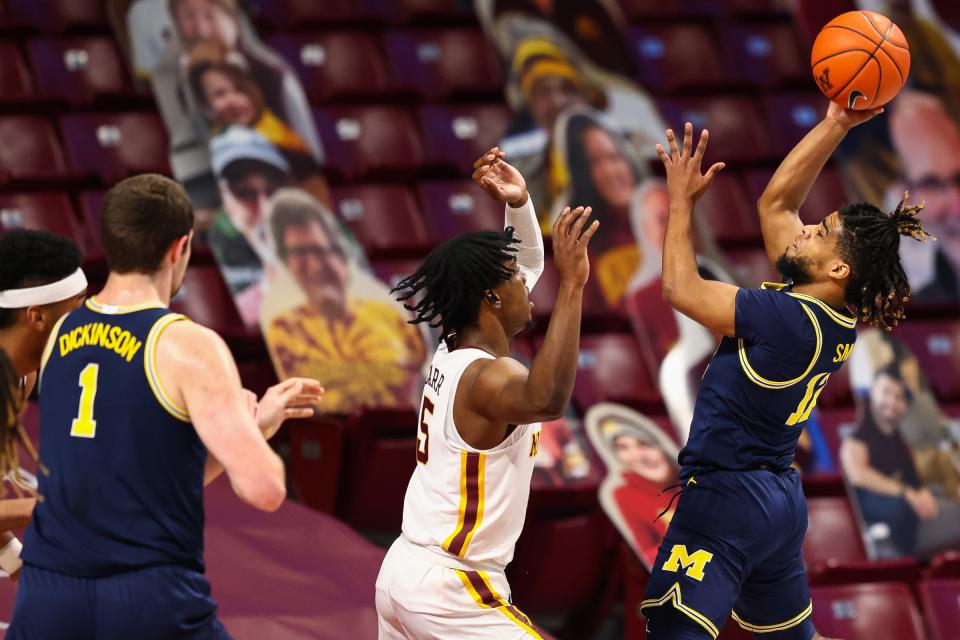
x=694, y=563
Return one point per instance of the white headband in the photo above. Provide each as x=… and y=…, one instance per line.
x=73, y=284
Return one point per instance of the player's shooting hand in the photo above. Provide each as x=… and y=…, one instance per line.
x=848, y=118
x=684, y=180
x=292, y=398
x=570, y=240
x=499, y=179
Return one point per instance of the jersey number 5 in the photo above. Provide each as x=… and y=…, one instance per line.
x=84, y=426
x=423, y=436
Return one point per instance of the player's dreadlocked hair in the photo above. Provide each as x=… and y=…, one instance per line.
x=870, y=242
x=11, y=431
x=454, y=277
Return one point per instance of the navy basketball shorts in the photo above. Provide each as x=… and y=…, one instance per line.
x=733, y=548
x=156, y=603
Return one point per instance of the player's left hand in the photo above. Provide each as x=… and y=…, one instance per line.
x=499, y=179
x=684, y=180
x=292, y=398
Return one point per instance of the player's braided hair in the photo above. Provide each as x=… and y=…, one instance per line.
x=11, y=431
x=870, y=242
x=454, y=277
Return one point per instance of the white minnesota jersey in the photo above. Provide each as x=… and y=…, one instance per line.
x=461, y=501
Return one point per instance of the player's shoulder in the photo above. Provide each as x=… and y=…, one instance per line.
x=179, y=332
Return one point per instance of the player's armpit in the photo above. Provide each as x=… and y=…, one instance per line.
x=197, y=371
x=709, y=302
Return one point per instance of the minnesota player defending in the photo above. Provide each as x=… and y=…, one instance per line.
x=133, y=399
x=479, y=418
x=734, y=541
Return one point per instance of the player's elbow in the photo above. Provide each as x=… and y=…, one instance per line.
x=267, y=496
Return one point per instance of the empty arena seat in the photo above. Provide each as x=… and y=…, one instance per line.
x=455, y=136
x=30, y=151
x=641, y=10
x=540, y=581
x=730, y=214
x=610, y=368
x=944, y=565
x=115, y=146
x=385, y=218
x=941, y=602
x=58, y=16
x=792, y=116
x=316, y=459
x=429, y=10
x=370, y=142
x=456, y=207
x=936, y=344
x=443, y=63
x=205, y=299
x=335, y=65
x=835, y=425
x=45, y=211
x=90, y=203
x=679, y=56
x=78, y=70
x=765, y=54
x=15, y=83
x=833, y=536
x=392, y=271
x=867, y=612
x=826, y=196
x=838, y=392
x=293, y=14
x=738, y=131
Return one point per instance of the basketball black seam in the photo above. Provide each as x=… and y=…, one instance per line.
x=876, y=92
x=889, y=29
x=857, y=72
x=859, y=33
x=895, y=65
x=839, y=53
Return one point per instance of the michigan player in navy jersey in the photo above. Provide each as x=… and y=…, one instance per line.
x=734, y=542
x=139, y=408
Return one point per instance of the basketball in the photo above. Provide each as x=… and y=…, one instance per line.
x=860, y=60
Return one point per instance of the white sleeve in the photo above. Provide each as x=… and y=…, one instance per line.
x=526, y=227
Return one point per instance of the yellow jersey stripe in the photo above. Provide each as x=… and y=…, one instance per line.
x=149, y=367
x=674, y=597
x=493, y=600
x=843, y=320
x=481, y=474
x=462, y=511
x=110, y=309
x=769, y=628
x=773, y=384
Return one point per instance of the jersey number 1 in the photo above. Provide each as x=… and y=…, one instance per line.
x=423, y=436
x=84, y=426
x=814, y=388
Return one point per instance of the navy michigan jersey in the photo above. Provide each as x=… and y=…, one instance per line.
x=125, y=487
x=763, y=383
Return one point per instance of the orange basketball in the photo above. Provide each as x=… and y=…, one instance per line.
x=860, y=60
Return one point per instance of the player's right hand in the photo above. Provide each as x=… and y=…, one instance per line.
x=500, y=180
x=849, y=118
x=292, y=398
x=570, y=241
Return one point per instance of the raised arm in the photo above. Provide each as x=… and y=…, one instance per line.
x=198, y=373
x=505, y=184
x=708, y=302
x=779, y=205
x=502, y=391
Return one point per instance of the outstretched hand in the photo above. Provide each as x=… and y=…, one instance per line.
x=495, y=176
x=684, y=180
x=292, y=398
x=849, y=118
x=570, y=241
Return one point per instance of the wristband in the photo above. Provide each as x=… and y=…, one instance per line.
x=10, y=557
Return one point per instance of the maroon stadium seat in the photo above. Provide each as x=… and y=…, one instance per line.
x=58, y=16
x=681, y=56
x=443, y=63
x=78, y=70
x=316, y=458
x=833, y=536
x=941, y=602
x=867, y=612
x=944, y=565
x=730, y=214
x=371, y=141
x=539, y=581
x=544, y=295
x=936, y=344
x=90, y=203
x=384, y=218
x=765, y=54
x=429, y=10
x=641, y=10
x=30, y=150
x=292, y=14
x=738, y=131
x=653, y=321
x=826, y=196
x=452, y=208
x=47, y=211
x=15, y=83
x=204, y=297
x=335, y=65
x=456, y=136
x=611, y=368
x=837, y=393
x=791, y=117
x=835, y=425
x=391, y=272
x=115, y=146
